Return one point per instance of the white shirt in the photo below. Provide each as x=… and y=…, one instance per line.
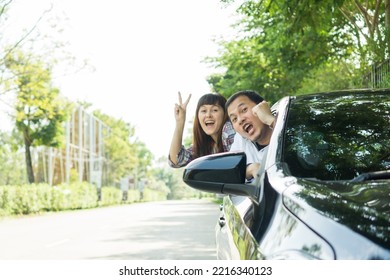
x=242, y=144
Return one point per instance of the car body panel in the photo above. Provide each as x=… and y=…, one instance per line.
x=278, y=241
x=235, y=211
x=342, y=217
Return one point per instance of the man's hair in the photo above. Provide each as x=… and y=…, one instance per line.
x=251, y=94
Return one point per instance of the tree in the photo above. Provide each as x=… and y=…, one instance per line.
x=46, y=46
x=366, y=23
x=126, y=155
x=245, y=68
x=39, y=111
x=370, y=21
x=283, y=42
x=329, y=76
x=11, y=161
x=144, y=158
x=173, y=179
x=119, y=151
x=9, y=47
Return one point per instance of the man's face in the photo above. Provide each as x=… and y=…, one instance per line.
x=244, y=121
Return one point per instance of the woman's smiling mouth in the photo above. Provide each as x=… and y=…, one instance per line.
x=209, y=123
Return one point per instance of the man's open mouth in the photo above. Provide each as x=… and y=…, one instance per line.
x=247, y=127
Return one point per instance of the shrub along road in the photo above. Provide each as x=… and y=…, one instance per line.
x=170, y=230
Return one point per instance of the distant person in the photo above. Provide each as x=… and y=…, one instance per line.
x=212, y=130
x=141, y=188
x=253, y=120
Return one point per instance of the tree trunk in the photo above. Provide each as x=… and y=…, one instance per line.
x=29, y=168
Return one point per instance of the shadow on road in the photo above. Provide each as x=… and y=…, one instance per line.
x=181, y=230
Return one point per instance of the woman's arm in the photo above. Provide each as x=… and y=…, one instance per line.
x=182, y=158
x=177, y=138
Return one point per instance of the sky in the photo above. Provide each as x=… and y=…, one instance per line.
x=143, y=53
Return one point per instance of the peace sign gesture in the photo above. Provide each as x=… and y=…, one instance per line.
x=180, y=109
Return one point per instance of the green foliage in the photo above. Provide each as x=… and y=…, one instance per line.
x=72, y=196
x=283, y=45
x=110, y=196
x=172, y=180
x=11, y=160
x=245, y=68
x=27, y=199
x=127, y=156
x=37, y=198
x=153, y=195
x=328, y=77
x=40, y=112
x=144, y=158
x=386, y=82
x=84, y=195
x=133, y=196
x=329, y=28
x=158, y=186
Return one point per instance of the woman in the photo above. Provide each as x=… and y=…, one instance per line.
x=212, y=131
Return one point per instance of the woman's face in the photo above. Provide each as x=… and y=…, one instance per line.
x=211, y=119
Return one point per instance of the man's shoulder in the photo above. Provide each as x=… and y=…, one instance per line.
x=241, y=142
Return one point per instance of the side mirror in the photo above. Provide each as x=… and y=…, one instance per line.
x=222, y=173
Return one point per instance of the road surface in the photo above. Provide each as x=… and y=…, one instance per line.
x=169, y=230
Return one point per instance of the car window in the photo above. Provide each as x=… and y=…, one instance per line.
x=338, y=137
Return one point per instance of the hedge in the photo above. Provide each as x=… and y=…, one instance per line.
x=38, y=198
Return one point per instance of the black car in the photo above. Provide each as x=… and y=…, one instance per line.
x=324, y=191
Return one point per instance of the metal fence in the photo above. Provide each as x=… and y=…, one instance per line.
x=379, y=76
x=82, y=159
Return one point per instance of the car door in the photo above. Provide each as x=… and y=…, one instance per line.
x=233, y=230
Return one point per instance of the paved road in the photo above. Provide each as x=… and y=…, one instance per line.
x=171, y=230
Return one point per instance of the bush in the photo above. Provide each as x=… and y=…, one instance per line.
x=74, y=196
x=30, y=199
x=110, y=196
x=7, y=200
x=25, y=200
x=37, y=198
x=154, y=195
x=133, y=196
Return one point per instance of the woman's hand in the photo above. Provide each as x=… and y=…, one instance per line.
x=180, y=109
x=177, y=139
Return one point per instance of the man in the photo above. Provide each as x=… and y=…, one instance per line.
x=252, y=119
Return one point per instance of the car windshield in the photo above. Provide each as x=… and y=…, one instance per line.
x=338, y=136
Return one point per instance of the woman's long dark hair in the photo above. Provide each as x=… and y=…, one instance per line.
x=202, y=143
